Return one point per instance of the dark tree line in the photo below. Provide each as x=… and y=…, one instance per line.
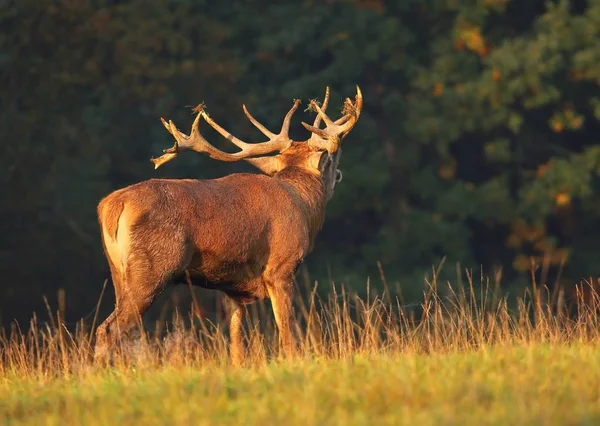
x=477, y=142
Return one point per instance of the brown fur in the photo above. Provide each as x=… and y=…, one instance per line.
x=243, y=234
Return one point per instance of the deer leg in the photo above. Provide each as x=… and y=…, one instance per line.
x=238, y=312
x=134, y=300
x=105, y=336
x=102, y=345
x=102, y=341
x=281, y=295
x=142, y=280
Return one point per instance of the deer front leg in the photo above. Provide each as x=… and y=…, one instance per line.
x=281, y=294
x=237, y=351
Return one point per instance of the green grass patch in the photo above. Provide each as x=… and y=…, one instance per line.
x=535, y=384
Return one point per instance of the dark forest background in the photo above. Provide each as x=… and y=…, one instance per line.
x=478, y=141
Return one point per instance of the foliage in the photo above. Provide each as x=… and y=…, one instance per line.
x=477, y=142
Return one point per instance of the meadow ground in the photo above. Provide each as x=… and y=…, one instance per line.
x=466, y=359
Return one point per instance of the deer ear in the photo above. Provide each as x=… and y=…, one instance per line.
x=268, y=165
x=317, y=159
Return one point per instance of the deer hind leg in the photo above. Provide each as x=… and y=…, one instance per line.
x=102, y=343
x=143, y=281
x=136, y=293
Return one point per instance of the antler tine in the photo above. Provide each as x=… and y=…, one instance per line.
x=317, y=121
x=196, y=142
x=321, y=113
x=162, y=120
x=329, y=138
x=257, y=124
x=172, y=152
x=237, y=142
x=285, y=127
x=279, y=142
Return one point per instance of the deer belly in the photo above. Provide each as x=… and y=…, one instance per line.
x=245, y=291
x=224, y=266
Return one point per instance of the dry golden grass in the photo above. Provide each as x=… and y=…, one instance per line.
x=466, y=358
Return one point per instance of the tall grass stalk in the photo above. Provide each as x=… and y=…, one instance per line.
x=339, y=326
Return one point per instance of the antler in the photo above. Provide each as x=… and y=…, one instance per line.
x=196, y=142
x=329, y=138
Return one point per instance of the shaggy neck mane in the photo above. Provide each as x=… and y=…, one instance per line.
x=307, y=189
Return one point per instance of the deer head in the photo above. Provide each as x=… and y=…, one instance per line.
x=319, y=154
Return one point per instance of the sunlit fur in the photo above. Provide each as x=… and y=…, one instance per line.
x=243, y=234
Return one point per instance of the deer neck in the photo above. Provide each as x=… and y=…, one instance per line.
x=307, y=190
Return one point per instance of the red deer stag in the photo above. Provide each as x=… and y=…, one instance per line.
x=243, y=234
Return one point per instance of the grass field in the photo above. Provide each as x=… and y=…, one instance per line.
x=467, y=359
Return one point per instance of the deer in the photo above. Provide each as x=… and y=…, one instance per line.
x=244, y=234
